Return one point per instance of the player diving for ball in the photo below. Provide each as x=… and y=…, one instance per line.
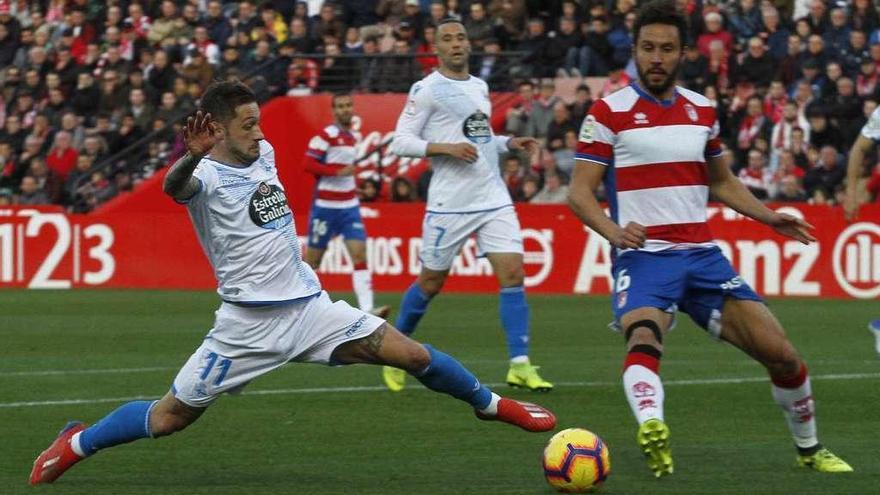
x=273, y=310
x=657, y=147
x=446, y=118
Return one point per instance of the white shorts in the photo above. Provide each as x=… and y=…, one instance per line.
x=443, y=235
x=247, y=342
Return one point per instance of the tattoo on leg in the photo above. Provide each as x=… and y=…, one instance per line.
x=373, y=342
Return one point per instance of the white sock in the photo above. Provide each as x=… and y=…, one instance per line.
x=800, y=412
x=519, y=360
x=492, y=408
x=644, y=391
x=362, y=282
x=876, y=333
x=75, y=446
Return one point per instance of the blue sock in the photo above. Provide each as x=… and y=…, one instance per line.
x=412, y=308
x=445, y=374
x=515, y=319
x=129, y=422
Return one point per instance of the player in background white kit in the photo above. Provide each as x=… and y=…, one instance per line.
x=335, y=209
x=867, y=139
x=273, y=308
x=447, y=118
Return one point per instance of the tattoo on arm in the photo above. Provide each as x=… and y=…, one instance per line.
x=179, y=182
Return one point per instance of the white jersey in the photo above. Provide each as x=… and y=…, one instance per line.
x=245, y=226
x=443, y=110
x=871, y=129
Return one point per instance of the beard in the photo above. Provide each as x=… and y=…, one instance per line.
x=658, y=88
x=246, y=156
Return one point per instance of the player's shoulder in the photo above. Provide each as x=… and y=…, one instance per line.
x=693, y=97
x=622, y=100
x=875, y=115
x=423, y=84
x=266, y=148
x=331, y=131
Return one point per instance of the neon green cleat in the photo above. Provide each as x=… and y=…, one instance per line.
x=824, y=461
x=395, y=379
x=653, y=439
x=524, y=375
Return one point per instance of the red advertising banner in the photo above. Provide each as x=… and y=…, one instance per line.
x=45, y=248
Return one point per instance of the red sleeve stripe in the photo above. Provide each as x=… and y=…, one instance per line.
x=680, y=233
x=713, y=147
x=661, y=175
x=603, y=151
x=336, y=195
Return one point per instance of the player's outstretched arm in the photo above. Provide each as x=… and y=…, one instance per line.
x=199, y=136
x=583, y=203
x=861, y=147
x=733, y=193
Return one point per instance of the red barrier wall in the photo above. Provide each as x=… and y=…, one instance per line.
x=48, y=249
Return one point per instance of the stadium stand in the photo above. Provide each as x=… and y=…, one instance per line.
x=92, y=93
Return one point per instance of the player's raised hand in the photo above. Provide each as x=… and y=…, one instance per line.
x=199, y=134
x=462, y=151
x=633, y=236
x=530, y=144
x=792, y=226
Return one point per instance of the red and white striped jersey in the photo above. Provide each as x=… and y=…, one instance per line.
x=334, y=148
x=656, y=152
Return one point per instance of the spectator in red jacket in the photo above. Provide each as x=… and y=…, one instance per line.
x=62, y=156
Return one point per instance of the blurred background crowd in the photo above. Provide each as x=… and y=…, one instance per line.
x=92, y=92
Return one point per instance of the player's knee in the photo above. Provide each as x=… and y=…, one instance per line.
x=432, y=285
x=358, y=256
x=417, y=358
x=644, y=332
x=785, y=363
x=512, y=276
x=164, y=423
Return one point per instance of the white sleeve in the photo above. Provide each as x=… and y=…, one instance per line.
x=871, y=130
x=408, y=139
x=501, y=143
x=207, y=181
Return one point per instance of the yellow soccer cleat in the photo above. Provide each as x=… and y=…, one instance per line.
x=524, y=375
x=395, y=379
x=653, y=439
x=824, y=461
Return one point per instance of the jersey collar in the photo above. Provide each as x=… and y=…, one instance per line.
x=648, y=96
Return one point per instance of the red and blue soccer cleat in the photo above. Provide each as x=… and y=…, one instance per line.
x=58, y=458
x=528, y=416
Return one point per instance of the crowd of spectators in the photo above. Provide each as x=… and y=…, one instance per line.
x=83, y=80
x=792, y=83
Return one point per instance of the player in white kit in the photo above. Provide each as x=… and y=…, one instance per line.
x=273, y=310
x=447, y=118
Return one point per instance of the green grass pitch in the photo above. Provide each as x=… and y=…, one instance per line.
x=295, y=431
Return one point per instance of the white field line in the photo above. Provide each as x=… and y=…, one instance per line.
x=333, y=390
x=99, y=371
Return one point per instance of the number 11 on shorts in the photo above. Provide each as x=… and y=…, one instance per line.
x=224, y=365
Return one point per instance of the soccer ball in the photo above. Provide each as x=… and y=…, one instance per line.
x=576, y=461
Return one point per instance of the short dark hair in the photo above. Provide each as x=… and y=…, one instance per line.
x=337, y=96
x=223, y=97
x=660, y=12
